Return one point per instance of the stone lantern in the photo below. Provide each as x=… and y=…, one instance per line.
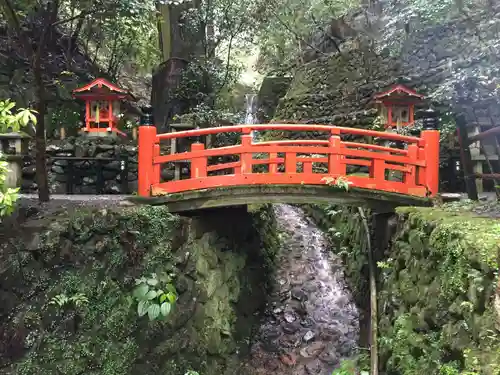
x=14, y=146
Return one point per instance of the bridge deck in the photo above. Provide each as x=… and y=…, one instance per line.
x=294, y=194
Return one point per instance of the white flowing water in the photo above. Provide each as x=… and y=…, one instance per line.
x=250, y=113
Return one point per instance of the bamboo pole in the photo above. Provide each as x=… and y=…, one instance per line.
x=373, y=298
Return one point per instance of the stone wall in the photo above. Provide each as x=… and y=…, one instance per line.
x=437, y=286
x=455, y=64
x=216, y=262
x=84, y=172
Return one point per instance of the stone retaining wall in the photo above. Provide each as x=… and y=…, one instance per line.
x=437, y=286
x=216, y=262
x=84, y=173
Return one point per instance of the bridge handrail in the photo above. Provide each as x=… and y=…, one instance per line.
x=419, y=162
x=325, y=143
x=288, y=127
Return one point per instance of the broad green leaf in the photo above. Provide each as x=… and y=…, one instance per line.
x=141, y=291
x=153, y=282
x=142, y=308
x=151, y=294
x=163, y=298
x=26, y=118
x=171, y=297
x=165, y=308
x=33, y=119
x=171, y=288
x=153, y=311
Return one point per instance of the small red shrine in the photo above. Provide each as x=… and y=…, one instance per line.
x=397, y=106
x=102, y=106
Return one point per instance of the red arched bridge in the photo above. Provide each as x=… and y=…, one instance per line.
x=291, y=171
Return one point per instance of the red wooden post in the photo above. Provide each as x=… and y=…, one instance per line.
x=431, y=157
x=335, y=165
x=377, y=170
x=199, y=164
x=146, y=169
x=273, y=167
x=308, y=167
x=290, y=162
x=246, y=157
x=157, y=167
x=410, y=178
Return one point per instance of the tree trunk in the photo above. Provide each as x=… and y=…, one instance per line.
x=40, y=146
x=179, y=44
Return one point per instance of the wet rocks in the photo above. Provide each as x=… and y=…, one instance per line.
x=314, y=367
x=312, y=322
x=308, y=336
x=299, y=294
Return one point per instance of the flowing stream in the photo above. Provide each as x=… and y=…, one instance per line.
x=250, y=108
x=250, y=113
x=311, y=322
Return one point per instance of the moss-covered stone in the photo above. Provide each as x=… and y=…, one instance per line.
x=436, y=289
x=215, y=261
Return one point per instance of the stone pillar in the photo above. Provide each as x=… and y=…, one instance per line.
x=14, y=146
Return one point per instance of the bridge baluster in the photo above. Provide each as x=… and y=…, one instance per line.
x=198, y=164
x=308, y=167
x=335, y=165
x=290, y=162
x=246, y=155
x=156, y=167
x=410, y=177
x=273, y=167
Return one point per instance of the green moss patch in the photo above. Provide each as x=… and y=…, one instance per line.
x=437, y=285
x=93, y=258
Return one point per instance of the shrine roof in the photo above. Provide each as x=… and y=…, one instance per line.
x=102, y=87
x=398, y=90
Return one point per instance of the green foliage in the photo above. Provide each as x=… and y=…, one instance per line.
x=287, y=27
x=340, y=182
x=14, y=121
x=10, y=120
x=8, y=196
x=152, y=299
x=106, y=250
x=62, y=300
x=191, y=372
x=347, y=367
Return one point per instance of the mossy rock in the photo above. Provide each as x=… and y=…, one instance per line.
x=99, y=253
x=436, y=290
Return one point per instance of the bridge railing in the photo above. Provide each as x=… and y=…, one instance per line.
x=418, y=162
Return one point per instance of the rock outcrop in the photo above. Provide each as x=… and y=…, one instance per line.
x=437, y=286
x=216, y=265
x=455, y=64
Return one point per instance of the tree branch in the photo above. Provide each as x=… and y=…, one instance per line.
x=84, y=13
x=297, y=36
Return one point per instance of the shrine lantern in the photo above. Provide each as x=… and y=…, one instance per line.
x=102, y=106
x=397, y=106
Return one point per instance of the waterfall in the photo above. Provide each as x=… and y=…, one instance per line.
x=250, y=112
x=250, y=108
